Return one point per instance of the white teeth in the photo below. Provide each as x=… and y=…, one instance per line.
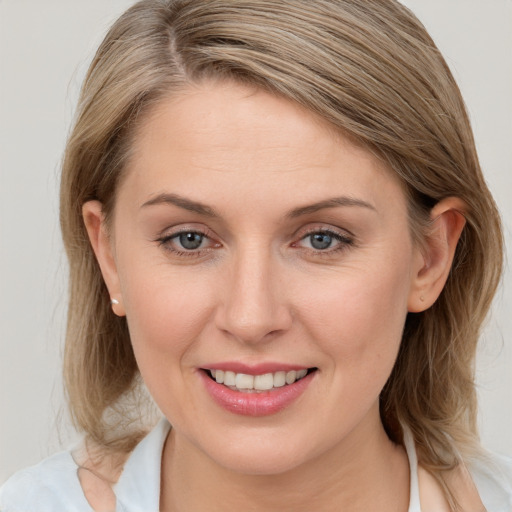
x=265, y=382
x=291, y=377
x=243, y=381
x=229, y=378
x=301, y=373
x=279, y=379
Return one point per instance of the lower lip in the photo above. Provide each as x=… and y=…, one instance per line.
x=262, y=403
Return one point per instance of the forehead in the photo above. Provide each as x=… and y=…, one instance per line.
x=234, y=137
x=236, y=117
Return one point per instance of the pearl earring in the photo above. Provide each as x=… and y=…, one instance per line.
x=114, y=302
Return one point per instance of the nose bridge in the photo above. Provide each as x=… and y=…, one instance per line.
x=253, y=305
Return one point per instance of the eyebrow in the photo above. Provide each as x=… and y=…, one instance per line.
x=207, y=211
x=181, y=202
x=329, y=203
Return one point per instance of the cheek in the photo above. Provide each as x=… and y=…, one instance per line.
x=165, y=310
x=358, y=319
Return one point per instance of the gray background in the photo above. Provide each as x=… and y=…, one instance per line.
x=44, y=51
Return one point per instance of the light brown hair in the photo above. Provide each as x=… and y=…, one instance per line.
x=370, y=69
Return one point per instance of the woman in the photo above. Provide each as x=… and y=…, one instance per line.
x=274, y=215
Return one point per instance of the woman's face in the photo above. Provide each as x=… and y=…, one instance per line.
x=250, y=239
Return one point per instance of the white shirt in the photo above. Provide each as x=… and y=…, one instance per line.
x=53, y=485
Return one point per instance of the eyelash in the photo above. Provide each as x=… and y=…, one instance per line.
x=165, y=242
x=344, y=242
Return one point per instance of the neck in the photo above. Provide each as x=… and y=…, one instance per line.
x=366, y=471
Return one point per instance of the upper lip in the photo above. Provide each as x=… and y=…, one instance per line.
x=254, y=369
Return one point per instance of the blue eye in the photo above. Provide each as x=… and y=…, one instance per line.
x=190, y=240
x=188, y=243
x=320, y=241
x=326, y=241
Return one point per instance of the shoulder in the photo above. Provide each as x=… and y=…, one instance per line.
x=50, y=486
x=492, y=475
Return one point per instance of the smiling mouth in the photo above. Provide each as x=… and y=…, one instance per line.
x=257, y=383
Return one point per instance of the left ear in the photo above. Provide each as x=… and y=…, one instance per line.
x=436, y=256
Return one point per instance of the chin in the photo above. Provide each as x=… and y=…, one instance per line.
x=262, y=465
x=260, y=457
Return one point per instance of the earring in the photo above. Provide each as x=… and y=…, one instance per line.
x=422, y=298
x=114, y=302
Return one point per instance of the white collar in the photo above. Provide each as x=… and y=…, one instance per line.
x=138, y=488
x=414, y=488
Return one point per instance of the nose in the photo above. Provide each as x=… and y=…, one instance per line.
x=253, y=308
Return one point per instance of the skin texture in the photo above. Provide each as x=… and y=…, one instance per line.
x=257, y=291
